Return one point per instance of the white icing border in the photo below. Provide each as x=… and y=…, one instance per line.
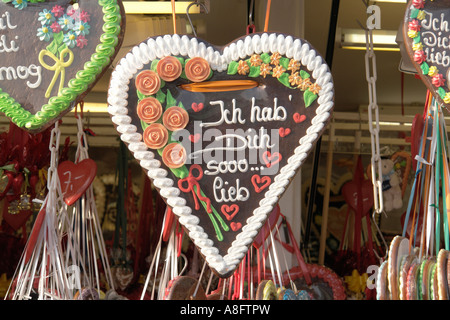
x=156, y=48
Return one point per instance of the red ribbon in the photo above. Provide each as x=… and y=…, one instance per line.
x=192, y=181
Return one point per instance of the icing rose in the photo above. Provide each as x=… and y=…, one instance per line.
x=148, y=82
x=175, y=118
x=197, y=69
x=174, y=155
x=149, y=110
x=419, y=56
x=438, y=80
x=418, y=4
x=169, y=68
x=414, y=25
x=155, y=136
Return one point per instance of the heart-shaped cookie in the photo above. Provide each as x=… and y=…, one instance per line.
x=247, y=91
x=425, y=33
x=52, y=54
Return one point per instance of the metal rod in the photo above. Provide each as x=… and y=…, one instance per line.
x=329, y=61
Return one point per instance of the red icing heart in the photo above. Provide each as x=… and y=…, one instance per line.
x=229, y=211
x=76, y=178
x=194, y=137
x=299, y=118
x=271, y=158
x=235, y=226
x=16, y=221
x=260, y=183
x=197, y=107
x=284, y=132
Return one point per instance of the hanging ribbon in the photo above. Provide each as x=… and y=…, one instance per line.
x=194, y=187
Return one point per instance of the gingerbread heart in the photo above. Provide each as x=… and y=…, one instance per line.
x=248, y=90
x=425, y=33
x=52, y=54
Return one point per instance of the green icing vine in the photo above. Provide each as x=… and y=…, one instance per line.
x=77, y=85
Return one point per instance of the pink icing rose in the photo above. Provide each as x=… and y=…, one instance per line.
x=414, y=25
x=419, y=56
x=438, y=80
x=418, y=4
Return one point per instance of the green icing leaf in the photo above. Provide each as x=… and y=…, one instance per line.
x=60, y=49
x=425, y=68
x=254, y=72
x=284, y=79
x=144, y=125
x=414, y=13
x=304, y=74
x=265, y=57
x=160, y=96
x=170, y=101
x=284, y=62
x=181, y=61
x=140, y=95
x=154, y=64
x=441, y=92
x=53, y=48
x=233, y=67
x=416, y=39
x=309, y=98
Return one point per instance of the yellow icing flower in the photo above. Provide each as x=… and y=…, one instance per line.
x=412, y=33
x=294, y=79
x=243, y=67
x=255, y=60
x=314, y=88
x=433, y=71
x=265, y=69
x=356, y=283
x=417, y=46
x=275, y=58
x=294, y=65
x=421, y=15
x=447, y=97
x=278, y=71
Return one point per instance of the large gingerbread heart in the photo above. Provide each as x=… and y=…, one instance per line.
x=221, y=131
x=52, y=52
x=426, y=34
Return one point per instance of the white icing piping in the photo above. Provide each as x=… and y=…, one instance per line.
x=176, y=45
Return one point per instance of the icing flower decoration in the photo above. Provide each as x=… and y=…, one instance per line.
x=155, y=136
x=432, y=71
x=56, y=27
x=293, y=65
x=421, y=15
x=418, y=4
x=294, y=79
x=58, y=11
x=243, y=67
x=84, y=16
x=20, y=4
x=81, y=41
x=148, y=82
x=438, y=80
x=70, y=39
x=44, y=33
x=175, y=118
x=46, y=17
x=174, y=155
x=447, y=97
x=304, y=84
x=149, y=110
x=314, y=88
x=197, y=69
x=278, y=71
x=419, y=56
x=417, y=46
x=169, y=68
x=265, y=69
x=66, y=22
x=414, y=25
x=255, y=60
x=412, y=33
x=81, y=28
x=275, y=59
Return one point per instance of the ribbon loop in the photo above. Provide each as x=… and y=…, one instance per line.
x=59, y=67
x=194, y=187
